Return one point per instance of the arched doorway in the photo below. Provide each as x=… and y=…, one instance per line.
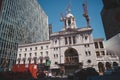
x=101, y=67
x=115, y=64
x=71, y=60
x=71, y=56
x=108, y=65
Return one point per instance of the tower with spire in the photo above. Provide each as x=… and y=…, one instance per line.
x=69, y=20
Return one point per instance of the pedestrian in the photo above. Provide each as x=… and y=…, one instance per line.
x=61, y=73
x=50, y=74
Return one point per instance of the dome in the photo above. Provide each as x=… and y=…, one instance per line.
x=69, y=15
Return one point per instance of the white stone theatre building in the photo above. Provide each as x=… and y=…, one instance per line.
x=69, y=49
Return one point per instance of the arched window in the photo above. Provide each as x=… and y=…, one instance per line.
x=108, y=65
x=115, y=64
x=101, y=67
x=69, y=22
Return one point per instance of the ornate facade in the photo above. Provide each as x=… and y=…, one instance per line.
x=70, y=49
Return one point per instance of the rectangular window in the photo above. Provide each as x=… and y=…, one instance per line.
x=46, y=53
x=86, y=53
x=41, y=53
x=30, y=54
x=57, y=55
x=88, y=45
x=54, y=55
x=55, y=41
x=66, y=40
x=96, y=45
x=86, y=37
x=46, y=47
x=20, y=49
x=101, y=44
x=35, y=54
x=25, y=49
x=19, y=55
x=25, y=55
x=69, y=40
x=35, y=48
x=74, y=40
x=41, y=47
x=31, y=49
x=97, y=54
x=89, y=53
x=103, y=53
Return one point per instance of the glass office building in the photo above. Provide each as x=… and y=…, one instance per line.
x=21, y=21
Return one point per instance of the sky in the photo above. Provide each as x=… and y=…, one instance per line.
x=54, y=8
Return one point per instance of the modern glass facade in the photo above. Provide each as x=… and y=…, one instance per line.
x=21, y=21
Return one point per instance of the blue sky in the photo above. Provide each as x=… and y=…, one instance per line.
x=53, y=8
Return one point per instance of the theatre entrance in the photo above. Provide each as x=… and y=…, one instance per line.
x=71, y=60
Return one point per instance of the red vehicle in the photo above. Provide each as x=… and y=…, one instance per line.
x=31, y=68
